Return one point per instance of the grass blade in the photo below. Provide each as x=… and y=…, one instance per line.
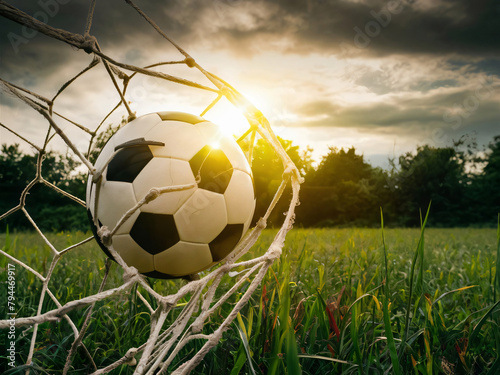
x=453, y=291
x=333, y=323
x=495, y=369
x=327, y=359
x=496, y=283
x=385, y=306
x=418, y=252
x=390, y=339
x=478, y=326
x=292, y=358
x=354, y=336
x=244, y=339
x=386, y=262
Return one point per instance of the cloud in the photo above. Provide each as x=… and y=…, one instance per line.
x=375, y=28
x=446, y=106
x=459, y=29
x=317, y=65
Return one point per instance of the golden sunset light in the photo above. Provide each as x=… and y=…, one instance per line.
x=259, y=187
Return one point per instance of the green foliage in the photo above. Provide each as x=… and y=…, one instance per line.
x=101, y=139
x=342, y=190
x=485, y=195
x=337, y=301
x=462, y=185
x=268, y=169
x=50, y=209
x=435, y=174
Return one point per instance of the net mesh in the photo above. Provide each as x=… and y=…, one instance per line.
x=165, y=341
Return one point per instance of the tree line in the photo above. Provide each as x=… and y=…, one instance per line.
x=460, y=182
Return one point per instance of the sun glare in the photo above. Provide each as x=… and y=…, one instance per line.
x=229, y=119
x=215, y=144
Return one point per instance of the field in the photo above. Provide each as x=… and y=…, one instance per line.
x=338, y=301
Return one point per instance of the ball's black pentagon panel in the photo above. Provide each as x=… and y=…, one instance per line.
x=180, y=116
x=138, y=142
x=154, y=232
x=159, y=275
x=214, y=135
x=225, y=242
x=98, y=239
x=214, y=169
x=128, y=163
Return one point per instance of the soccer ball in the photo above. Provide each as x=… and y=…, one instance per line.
x=179, y=233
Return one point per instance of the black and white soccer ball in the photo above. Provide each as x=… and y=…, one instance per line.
x=179, y=233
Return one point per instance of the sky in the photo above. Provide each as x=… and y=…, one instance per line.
x=382, y=76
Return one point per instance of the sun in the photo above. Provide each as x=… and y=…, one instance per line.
x=229, y=119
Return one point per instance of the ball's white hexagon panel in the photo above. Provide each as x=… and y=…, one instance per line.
x=90, y=195
x=202, y=217
x=240, y=198
x=154, y=175
x=136, y=129
x=127, y=225
x=184, y=258
x=115, y=198
x=132, y=253
x=181, y=139
x=247, y=224
x=210, y=132
x=163, y=172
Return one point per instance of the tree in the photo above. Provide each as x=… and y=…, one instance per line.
x=432, y=174
x=18, y=169
x=102, y=138
x=267, y=170
x=486, y=186
x=344, y=189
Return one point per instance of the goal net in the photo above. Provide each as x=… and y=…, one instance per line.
x=175, y=319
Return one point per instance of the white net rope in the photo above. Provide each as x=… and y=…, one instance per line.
x=165, y=341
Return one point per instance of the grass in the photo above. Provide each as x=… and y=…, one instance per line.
x=352, y=301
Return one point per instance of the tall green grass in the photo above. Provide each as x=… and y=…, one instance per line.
x=352, y=301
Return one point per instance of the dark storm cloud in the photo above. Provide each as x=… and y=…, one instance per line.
x=367, y=116
x=366, y=28
x=462, y=31
x=462, y=108
x=377, y=28
x=111, y=22
x=404, y=26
